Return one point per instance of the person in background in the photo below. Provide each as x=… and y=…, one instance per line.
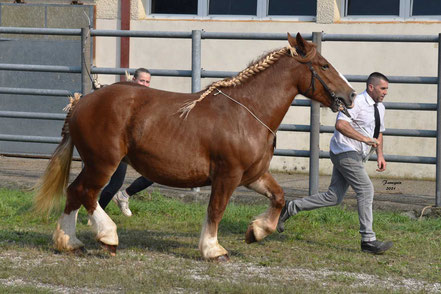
x=350, y=145
x=142, y=76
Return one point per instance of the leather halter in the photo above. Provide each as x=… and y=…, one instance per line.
x=315, y=75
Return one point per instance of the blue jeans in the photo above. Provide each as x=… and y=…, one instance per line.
x=348, y=171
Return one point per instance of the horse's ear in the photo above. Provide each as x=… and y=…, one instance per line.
x=302, y=45
x=291, y=40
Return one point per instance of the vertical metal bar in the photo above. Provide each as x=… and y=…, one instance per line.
x=196, y=69
x=438, y=130
x=195, y=61
x=314, y=135
x=86, y=78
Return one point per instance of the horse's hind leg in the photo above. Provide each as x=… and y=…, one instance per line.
x=84, y=191
x=266, y=223
x=64, y=236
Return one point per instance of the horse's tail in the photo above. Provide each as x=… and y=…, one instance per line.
x=52, y=185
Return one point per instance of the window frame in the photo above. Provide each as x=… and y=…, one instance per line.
x=405, y=14
x=203, y=8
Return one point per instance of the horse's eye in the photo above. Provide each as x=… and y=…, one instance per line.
x=325, y=67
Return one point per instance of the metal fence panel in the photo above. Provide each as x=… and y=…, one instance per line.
x=18, y=94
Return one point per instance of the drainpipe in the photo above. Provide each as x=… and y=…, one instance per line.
x=125, y=41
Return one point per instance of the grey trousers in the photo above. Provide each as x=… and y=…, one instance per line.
x=348, y=171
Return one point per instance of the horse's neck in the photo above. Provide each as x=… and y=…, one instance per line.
x=269, y=94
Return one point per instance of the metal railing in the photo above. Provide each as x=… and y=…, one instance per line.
x=196, y=74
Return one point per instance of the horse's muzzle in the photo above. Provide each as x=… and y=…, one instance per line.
x=341, y=104
x=345, y=101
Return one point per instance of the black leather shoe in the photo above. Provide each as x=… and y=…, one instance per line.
x=284, y=215
x=376, y=247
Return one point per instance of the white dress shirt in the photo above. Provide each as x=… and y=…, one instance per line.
x=363, y=114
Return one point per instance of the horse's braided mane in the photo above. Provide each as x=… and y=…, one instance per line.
x=259, y=66
x=241, y=77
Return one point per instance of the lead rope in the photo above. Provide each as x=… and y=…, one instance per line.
x=247, y=109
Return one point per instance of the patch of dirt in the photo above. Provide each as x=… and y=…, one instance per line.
x=233, y=272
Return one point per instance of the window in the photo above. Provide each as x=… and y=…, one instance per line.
x=293, y=7
x=373, y=7
x=233, y=7
x=426, y=7
x=305, y=10
x=392, y=9
x=175, y=6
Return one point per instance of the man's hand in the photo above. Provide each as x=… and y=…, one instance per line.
x=371, y=142
x=381, y=163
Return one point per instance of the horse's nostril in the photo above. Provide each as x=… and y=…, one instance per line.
x=353, y=95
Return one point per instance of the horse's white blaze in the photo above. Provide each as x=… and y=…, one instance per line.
x=343, y=77
x=208, y=244
x=103, y=226
x=64, y=236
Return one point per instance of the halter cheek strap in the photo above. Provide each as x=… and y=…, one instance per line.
x=314, y=75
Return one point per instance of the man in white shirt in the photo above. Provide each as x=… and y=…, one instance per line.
x=350, y=145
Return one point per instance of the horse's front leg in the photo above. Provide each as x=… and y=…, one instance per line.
x=223, y=186
x=266, y=223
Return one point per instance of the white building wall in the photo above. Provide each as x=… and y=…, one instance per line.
x=362, y=58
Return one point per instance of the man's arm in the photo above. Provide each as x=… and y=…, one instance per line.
x=346, y=129
x=381, y=162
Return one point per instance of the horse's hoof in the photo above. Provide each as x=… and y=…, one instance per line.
x=222, y=258
x=109, y=248
x=249, y=236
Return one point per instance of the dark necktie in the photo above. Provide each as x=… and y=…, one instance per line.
x=377, y=121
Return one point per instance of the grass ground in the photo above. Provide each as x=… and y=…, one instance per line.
x=318, y=253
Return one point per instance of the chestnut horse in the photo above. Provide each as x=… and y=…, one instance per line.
x=223, y=137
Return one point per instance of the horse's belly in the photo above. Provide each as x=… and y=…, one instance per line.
x=174, y=171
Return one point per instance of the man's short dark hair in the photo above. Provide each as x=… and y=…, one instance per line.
x=375, y=77
x=140, y=70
